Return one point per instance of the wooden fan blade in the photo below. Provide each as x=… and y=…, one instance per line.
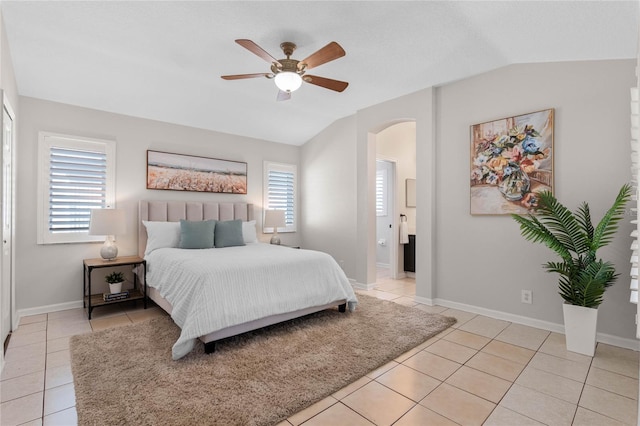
x=328, y=53
x=256, y=50
x=283, y=96
x=241, y=76
x=327, y=83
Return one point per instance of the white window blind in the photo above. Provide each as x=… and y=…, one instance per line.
x=76, y=176
x=77, y=184
x=635, y=142
x=280, y=192
x=381, y=192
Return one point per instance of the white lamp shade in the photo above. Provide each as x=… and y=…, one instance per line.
x=107, y=222
x=274, y=219
x=288, y=81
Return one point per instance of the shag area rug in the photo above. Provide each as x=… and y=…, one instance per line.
x=125, y=375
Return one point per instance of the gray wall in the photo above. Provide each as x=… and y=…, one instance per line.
x=592, y=161
x=482, y=262
x=327, y=193
x=52, y=274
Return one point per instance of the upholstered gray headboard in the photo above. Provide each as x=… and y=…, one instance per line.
x=173, y=211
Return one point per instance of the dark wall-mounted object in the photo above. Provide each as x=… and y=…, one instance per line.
x=410, y=254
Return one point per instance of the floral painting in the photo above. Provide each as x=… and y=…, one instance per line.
x=511, y=161
x=190, y=173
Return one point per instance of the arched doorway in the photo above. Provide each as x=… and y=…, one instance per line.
x=418, y=107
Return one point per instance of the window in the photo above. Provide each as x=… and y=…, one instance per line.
x=75, y=175
x=381, y=192
x=280, y=192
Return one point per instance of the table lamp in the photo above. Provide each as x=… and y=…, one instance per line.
x=274, y=219
x=108, y=222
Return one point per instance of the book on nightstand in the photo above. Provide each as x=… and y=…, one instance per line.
x=115, y=296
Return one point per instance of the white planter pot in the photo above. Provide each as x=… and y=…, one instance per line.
x=580, y=325
x=115, y=287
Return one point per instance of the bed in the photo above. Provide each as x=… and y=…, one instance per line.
x=215, y=293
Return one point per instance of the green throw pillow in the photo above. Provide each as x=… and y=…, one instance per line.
x=197, y=235
x=229, y=233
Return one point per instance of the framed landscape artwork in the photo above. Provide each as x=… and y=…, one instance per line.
x=511, y=161
x=180, y=172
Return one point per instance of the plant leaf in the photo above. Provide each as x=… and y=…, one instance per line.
x=608, y=225
x=583, y=278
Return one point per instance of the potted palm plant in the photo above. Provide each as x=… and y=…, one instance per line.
x=583, y=277
x=115, y=280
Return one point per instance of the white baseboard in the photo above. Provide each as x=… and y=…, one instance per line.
x=48, y=308
x=361, y=286
x=424, y=300
x=531, y=322
x=410, y=274
x=622, y=342
x=383, y=265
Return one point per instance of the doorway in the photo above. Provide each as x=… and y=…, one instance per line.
x=418, y=108
x=396, y=148
x=7, y=293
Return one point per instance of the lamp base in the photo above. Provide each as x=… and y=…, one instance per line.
x=275, y=239
x=109, y=250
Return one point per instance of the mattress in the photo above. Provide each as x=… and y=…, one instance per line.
x=212, y=289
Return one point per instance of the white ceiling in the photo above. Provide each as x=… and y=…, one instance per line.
x=163, y=60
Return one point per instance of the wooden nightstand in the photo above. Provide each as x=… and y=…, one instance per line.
x=91, y=301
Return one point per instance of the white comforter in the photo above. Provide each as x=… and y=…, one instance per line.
x=212, y=289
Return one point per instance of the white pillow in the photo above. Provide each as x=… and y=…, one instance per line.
x=249, y=232
x=161, y=235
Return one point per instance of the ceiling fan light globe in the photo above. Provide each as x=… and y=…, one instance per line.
x=288, y=81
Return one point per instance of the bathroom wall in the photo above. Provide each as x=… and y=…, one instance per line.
x=383, y=232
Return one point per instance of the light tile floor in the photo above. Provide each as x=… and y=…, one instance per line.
x=36, y=385
x=480, y=371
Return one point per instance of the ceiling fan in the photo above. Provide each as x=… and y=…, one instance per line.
x=290, y=73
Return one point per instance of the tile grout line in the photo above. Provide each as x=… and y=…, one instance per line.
x=465, y=365
x=45, y=379
x=514, y=380
x=441, y=382
x=584, y=384
x=417, y=403
x=477, y=352
x=351, y=409
x=46, y=356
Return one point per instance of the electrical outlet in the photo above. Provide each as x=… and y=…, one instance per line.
x=526, y=297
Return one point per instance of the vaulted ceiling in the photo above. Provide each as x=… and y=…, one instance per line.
x=163, y=60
